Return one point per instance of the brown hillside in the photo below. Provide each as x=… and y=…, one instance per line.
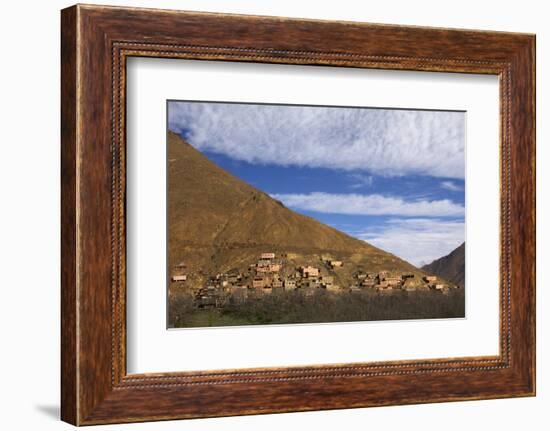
x=217, y=222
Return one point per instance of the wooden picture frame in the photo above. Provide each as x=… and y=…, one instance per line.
x=95, y=43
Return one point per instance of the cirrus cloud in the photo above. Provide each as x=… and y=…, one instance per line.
x=386, y=142
x=372, y=204
x=451, y=186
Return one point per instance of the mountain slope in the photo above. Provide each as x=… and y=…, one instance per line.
x=217, y=222
x=450, y=267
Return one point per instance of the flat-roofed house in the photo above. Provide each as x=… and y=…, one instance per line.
x=274, y=267
x=327, y=280
x=430, y=278
x=289, y=284
x=258, y=282
x=393, y=281
x=368, y=282
x=277, y=283
x=313, y=283
x=336, y=263
x=177, y=278
x=267, y=256
x=310, y=271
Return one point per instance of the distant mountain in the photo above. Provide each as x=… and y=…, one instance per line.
x=450, y=267
x=217, y=222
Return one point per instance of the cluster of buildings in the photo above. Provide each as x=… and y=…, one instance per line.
x=270, y=275
x=388, y=281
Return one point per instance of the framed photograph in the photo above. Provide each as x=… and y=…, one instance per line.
x=265, y=215
x=274, y=221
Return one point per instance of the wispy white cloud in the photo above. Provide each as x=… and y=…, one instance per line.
x=418, y=240
x=361, y=180
x=450, y=185
x=380, y=141
x=372, y=204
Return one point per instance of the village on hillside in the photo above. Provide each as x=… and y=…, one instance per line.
x=276, y=273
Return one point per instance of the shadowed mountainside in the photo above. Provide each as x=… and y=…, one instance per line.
x=450, y=267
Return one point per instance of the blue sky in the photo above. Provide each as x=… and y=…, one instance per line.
x=394, y=178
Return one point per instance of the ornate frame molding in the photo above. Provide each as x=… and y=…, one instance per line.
x=96, y=41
